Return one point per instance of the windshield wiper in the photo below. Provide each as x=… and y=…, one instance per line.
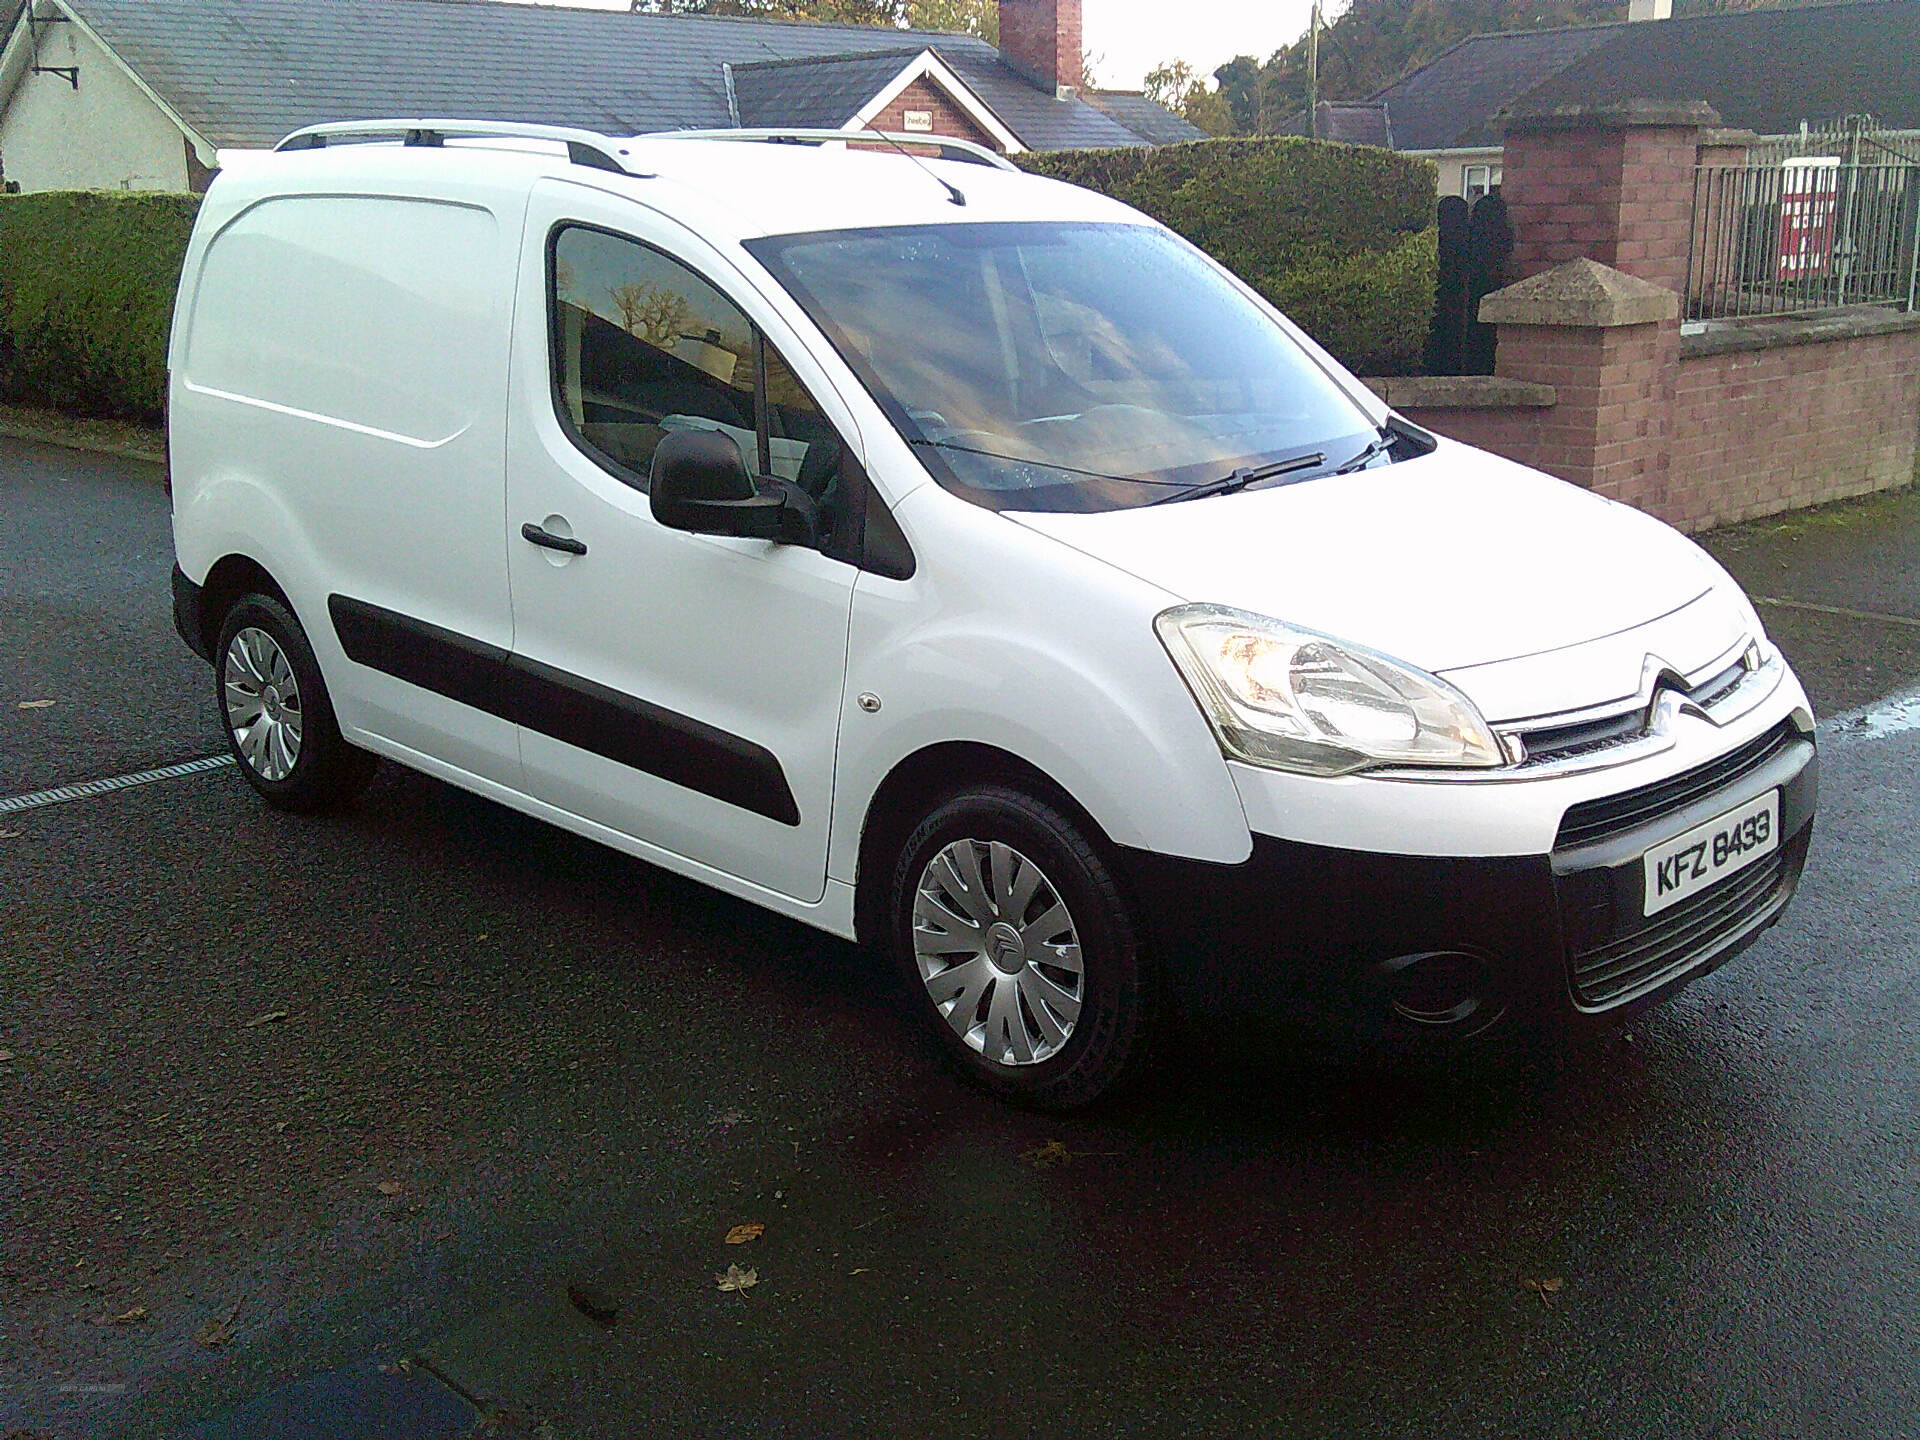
x=1378, y=446
x=1243, y=476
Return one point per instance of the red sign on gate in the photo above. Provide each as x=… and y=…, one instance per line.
x=1809, y=188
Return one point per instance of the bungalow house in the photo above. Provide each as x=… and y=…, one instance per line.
x=1767, y=71
x=144, y=94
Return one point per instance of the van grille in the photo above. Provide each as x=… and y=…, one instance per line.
x=1556, y=743
x=1613, y=814
x=1613, y=973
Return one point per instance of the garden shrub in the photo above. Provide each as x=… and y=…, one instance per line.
x=1340, y=237
x=87, y=280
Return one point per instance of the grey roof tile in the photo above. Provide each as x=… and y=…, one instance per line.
x=1353, y=122
x=1148, y=119
x=247, y=72
x=1764, y=70
x=1449, y=101
x=826, y=92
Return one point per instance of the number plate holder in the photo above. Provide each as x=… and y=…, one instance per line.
x=1708, y=853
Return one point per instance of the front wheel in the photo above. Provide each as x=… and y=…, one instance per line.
x=1015, y=941
x=278, y=719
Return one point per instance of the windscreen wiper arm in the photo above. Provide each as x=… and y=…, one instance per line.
x=1242, y=477
x=1380, y=445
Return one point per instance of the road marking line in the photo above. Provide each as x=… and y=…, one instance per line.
x=87, y=789
x=1839, y=610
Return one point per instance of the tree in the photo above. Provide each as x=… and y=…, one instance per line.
x=832, y=12
x=966, y=17
x=1174, y=84
x=1238, y=83
x=650, y=313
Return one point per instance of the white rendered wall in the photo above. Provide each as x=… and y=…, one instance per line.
x=107, y=135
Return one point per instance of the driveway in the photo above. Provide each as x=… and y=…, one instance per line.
x=318, y=1122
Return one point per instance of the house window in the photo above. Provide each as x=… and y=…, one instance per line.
x=1477, y=180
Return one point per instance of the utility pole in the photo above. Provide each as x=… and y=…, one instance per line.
x=1313, y=73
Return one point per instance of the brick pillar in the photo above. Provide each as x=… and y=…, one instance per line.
x=1612, y=183
x=1608, y=343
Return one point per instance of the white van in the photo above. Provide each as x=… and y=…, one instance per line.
x=957, y=561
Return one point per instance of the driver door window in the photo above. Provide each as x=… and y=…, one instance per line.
x=643, y=347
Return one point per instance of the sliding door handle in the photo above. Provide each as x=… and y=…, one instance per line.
x=549, y=541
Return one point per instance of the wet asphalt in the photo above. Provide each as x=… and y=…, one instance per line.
x=311, y=1124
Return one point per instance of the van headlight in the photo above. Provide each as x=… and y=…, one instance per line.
x=1291, y=699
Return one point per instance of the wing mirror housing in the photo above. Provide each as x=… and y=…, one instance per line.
x=699, y=483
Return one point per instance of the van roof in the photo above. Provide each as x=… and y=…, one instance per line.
x=717, y=184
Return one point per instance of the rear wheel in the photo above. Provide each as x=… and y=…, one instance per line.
x=1016, y=944
x=279, y=721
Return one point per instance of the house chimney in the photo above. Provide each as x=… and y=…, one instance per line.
x=1041, y=39
x=1649, y=9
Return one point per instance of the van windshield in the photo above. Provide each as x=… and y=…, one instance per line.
x=1067, y=366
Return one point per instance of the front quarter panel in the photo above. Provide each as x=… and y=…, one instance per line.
x=1009, y=639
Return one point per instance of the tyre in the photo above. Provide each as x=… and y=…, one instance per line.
x=1016, y=944
x=278, y=719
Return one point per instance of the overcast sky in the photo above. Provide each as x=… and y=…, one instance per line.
x=1130, y=37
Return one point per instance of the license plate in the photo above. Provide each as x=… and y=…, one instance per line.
x=1690, y=863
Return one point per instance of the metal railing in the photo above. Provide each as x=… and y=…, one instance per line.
x=1807, y=232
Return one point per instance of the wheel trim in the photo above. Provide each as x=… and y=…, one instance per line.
x=263, y=704
x=998, y=952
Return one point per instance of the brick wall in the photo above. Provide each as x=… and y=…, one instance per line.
x=1513, y=431
x=1739, y=420
x=948, y=118
x=1758, y=431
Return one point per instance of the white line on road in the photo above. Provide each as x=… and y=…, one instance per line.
x=1874, y=615
x=89, y=788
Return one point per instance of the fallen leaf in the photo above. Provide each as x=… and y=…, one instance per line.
x=35, y=704
x=270, y=1018
x=1546, y=1288
x=9, y=834
x=596, y=1305
x=726, y=1118
x=128, y=1317
x=216, y=1333
x=860, y=1270
x=737, y=1280
x=740, y=1234
x=5, y=1056
x=1054, y=1152
x=391, y=1187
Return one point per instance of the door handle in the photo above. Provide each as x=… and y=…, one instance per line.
x=549, y=541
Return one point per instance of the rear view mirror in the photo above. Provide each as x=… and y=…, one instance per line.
x=701, y=484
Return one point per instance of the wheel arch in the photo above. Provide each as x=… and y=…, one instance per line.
x=922, y=780
x=230, y=578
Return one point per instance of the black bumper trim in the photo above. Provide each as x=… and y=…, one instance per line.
x=1311, y=932
x=189, y=614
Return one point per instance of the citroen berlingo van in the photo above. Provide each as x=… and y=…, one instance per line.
x=960, y=562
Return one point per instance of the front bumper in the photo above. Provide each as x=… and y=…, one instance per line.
x=1376, y=941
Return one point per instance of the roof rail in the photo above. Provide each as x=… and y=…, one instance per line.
x=950, y=148
x=584, y=147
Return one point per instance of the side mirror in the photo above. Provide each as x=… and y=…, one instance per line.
x=699, y=483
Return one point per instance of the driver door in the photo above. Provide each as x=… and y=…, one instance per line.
x=682, y=690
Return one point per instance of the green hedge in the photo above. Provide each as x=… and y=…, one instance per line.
x=86, y=296
x=1340, y=237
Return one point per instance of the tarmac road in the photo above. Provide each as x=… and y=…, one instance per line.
x=509, y=1061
